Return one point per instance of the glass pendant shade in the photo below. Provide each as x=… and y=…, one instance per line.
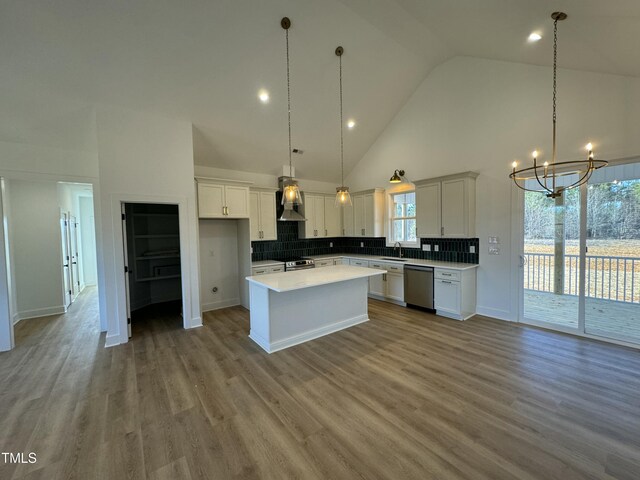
x=291, y=192
x=343, y=197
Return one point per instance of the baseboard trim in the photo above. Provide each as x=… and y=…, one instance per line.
x=306, y=336
x=112, y=341
x=195, y=322
x=39, y=312
x=494, y=313
x=16, y=318
x=232, y=302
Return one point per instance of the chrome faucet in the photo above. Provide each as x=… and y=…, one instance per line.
x=399, y=245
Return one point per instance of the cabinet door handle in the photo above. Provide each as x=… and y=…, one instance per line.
x=442, y=231
x=384, y=277
x=325, y=233
x=446, y=274
x=446, y=281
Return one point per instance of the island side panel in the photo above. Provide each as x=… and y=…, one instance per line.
x=302, y=315
x=259, y=315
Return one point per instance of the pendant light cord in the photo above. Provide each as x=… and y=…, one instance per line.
x=341, y=128
x=555, y=82
x=289, y=101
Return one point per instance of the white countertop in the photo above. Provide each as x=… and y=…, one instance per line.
x=313, y=277
x=266, y=263
x=409, y=261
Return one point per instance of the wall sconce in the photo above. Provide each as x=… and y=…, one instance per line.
x=397, y=176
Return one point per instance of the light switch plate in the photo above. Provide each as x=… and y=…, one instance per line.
x=494, y=240
x=436, y=248
x=472, y=249
x=426, y=247
x=494, y=250
x=251, y=249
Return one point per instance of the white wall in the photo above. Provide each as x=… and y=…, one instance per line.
x=480, y=115
x=34, y=239
x=145, y=158
x=88, y=240
x=219, y=263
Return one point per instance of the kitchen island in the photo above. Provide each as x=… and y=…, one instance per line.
x=295, y=307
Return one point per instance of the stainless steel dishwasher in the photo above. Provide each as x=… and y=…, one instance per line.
x=418, y=286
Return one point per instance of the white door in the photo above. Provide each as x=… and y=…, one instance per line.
x=454, y=213
x=428, y=211
x=127, y=270
x=236, y=201
x=66, y=260
x=75, y=257
x=254, y=216
x=318, y=216
x=395, y=286
x=310, y=215
x=210, y=201
x=268, y=221
x=358, y=216
x=332, y=216
x=347, y=220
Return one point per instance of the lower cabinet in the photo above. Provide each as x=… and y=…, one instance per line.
x=267, y=269
x=454, y=293
x=389, y=286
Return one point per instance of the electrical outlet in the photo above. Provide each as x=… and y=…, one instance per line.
x=330, y=244
x=472, y=249
x=251, y=250
x=436, y=248
x=361, y=244
x=426, y=247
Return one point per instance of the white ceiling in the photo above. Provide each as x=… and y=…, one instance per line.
x=204, y=61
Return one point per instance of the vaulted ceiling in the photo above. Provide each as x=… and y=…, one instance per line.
x=204, y=61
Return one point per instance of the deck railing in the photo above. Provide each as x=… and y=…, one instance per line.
x=609, y=278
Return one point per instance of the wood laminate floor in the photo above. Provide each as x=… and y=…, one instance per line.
x=405, y=396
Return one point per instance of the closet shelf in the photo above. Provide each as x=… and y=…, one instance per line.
x=151, y=279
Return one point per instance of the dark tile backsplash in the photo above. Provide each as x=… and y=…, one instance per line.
x=289, y=245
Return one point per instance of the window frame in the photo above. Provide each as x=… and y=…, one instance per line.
x=391, y=217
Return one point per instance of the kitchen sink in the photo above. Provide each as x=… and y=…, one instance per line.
x=395, y=259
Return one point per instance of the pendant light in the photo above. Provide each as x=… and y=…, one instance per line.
x=397, y=176
x=546, y=178
x=290, y=189
x=343, y=198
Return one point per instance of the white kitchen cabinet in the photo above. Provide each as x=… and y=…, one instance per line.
x=332, y=217
x=221, y=200
x=389, y=286
x=358, y=262
x=366, y=218
x=276, y=268
x=262, y=209
x=428, y=210
x=455, y=293
x=323, y=218
x=325, y=262
x=446, y=206
x=347, y=221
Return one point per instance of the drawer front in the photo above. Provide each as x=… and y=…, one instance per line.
x=323, y=263
x=447, y=274
x=389, y=267
x=276, y=269
x=358, y=263
x=259, y=271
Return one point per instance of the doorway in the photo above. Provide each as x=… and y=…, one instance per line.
x=581, y=257
x=152, y=256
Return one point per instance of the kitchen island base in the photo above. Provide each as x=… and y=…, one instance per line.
x=281, y=319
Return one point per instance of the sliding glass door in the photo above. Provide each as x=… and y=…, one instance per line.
x=612, y=283
x=601, y=220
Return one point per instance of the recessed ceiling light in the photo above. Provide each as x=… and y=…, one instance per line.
x=263, y=95
x=534, y=37
x=351, y=123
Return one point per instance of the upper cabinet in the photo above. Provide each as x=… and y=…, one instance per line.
x=323, y=218
x=446, y=206
x=222, y=199
x=366, y=217
x=262, y=210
